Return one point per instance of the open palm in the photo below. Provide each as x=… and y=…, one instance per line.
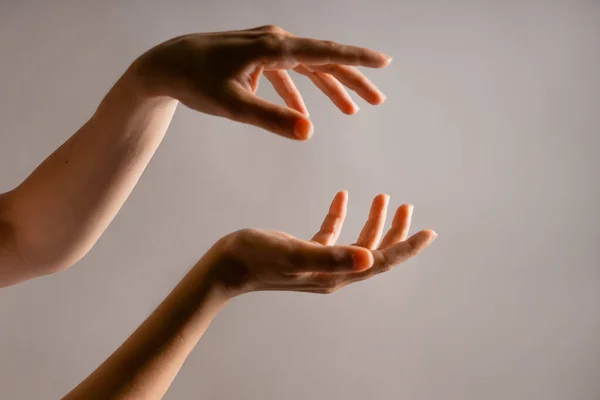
x=271, y=260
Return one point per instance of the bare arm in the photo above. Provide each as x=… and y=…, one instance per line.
x=58, y=213
x=249, y=260
x=146, y=364
x=53, y=218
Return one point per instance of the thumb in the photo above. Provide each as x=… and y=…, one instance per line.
x=284, y=121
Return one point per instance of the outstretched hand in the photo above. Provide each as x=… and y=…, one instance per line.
x=254, y=260
x=218, y=73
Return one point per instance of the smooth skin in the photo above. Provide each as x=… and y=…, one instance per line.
x=246, y=261
x=58, y=213
x=51, y=220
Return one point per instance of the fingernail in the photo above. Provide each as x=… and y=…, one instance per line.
x=388, y=59
x=303, y=129
x=435, y=235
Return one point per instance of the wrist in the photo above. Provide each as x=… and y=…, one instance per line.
x=138, y=85
x=127, y=100
x=224, y=268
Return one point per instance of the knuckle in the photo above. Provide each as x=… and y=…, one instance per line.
x=328, y=231
x=412, y=249
x=331, y=45
x=271, y=28
x=245, y=237
x=328, y=68
x=386, y=264
x=273, y=42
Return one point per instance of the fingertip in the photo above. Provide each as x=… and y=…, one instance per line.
x=382, y=197
x=427, y=236
x=342, y=194
x=388, y=59
x=403, y=212
x=339, y=201
x=377, y=99
x=362, y=259
x=303, y=129
x=350, y=109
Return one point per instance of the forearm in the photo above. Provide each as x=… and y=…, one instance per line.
x=57, y=214
x=146, y=364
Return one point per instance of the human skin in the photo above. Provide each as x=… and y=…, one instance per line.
x=246, y=261
x=53, y=218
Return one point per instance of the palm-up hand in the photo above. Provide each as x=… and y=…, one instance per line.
x=218, y=73
x=268, y=260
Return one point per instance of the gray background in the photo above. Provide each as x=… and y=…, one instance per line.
x=490, y=128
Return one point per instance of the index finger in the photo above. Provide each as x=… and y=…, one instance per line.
x=405, y=250
x=278, y=47
x=386, y=259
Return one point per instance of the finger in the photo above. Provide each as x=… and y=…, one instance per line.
x=386, y=259
x=280, y=46
x=400, y=226
x=400, y=252
x=317, y=290
x=371, y=232
x=332, y=225
x=332, y=88
x=286, y=89
x=289, y=286
x=353, y=79
x=312, y=257
x=248, y=108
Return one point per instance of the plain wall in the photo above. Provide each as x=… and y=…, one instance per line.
x=491, y=129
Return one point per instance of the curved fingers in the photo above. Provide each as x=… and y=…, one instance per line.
x=286, y=89
x=331, y=87
x=353, y=79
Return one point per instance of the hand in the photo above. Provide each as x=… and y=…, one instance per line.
x=218, y=74
x=254, y=260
